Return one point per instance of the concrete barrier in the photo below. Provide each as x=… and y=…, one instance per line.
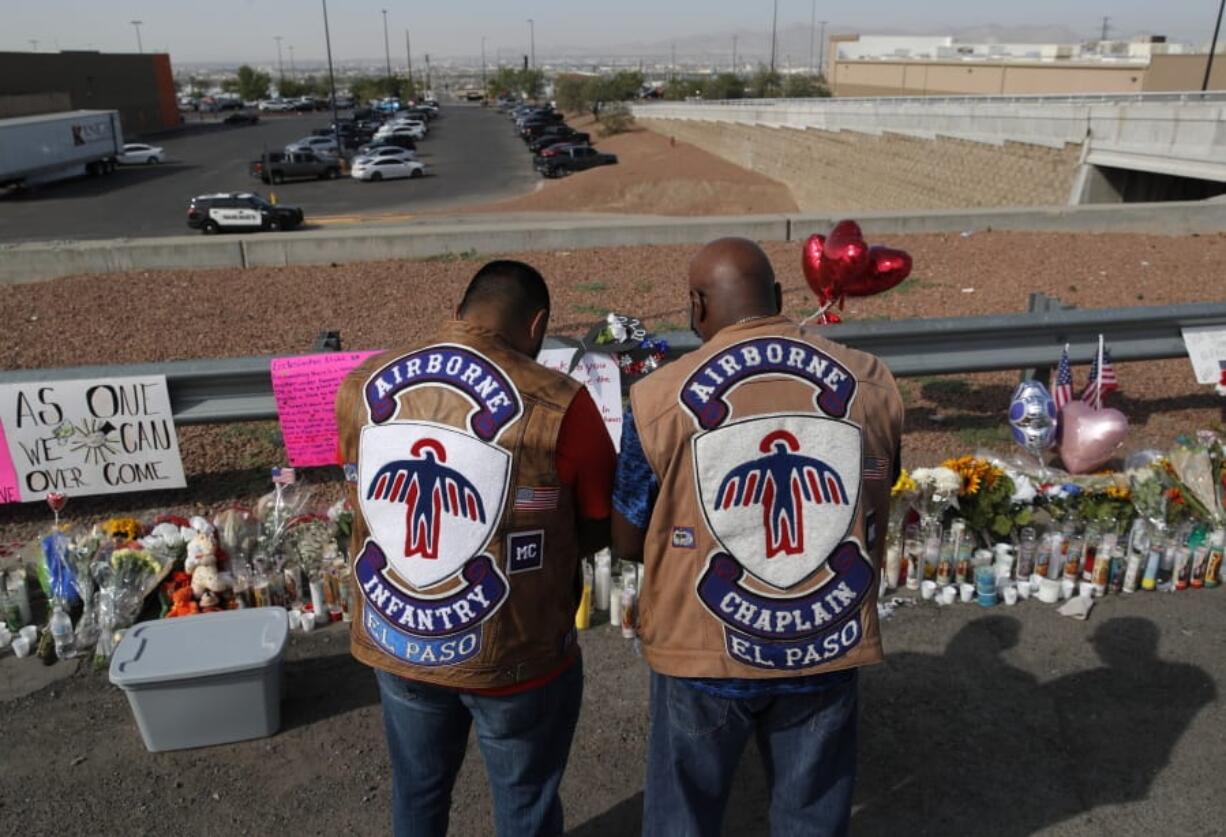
x=48, y=260
x=37, y=261
x=417, y=242
x=1157, y=218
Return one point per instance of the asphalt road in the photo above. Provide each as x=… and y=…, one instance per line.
x=471, y=154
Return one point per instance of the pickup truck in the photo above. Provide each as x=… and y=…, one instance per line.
x=276, y=167
x=572, y=159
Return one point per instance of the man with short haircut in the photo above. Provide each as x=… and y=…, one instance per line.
x=478, y=478
x=754, y=483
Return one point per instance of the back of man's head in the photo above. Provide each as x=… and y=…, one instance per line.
x=511, y=299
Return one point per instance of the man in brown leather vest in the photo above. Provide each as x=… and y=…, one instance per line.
x=754, y=482
x=478, y=478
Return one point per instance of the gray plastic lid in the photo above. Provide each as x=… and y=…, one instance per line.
x=204, y=645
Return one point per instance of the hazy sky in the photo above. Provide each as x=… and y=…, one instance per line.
x=243, y=30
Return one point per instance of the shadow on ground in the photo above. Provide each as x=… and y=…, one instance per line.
x=965, y=743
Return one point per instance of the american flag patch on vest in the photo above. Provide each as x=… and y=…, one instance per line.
x=536, y=498
x=876, y=468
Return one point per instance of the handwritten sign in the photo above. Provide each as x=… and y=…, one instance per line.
x=305, y=390
x=90, y=436
x=1206, y=347
x=10, y=488
x=599, y=373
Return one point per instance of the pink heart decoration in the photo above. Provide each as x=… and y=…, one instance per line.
x=1089, y=437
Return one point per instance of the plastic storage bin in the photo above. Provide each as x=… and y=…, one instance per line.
x=201, y=680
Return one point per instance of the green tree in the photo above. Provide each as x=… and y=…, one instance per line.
x=800, y=86
x=724, y=86
x=765, y=83
x=616, y=118
x=309, y=86
x=623, y=86
x=252, y=84
x=679, y=89
x=511, y=80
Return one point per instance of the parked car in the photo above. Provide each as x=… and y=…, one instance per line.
x=386, y=168
x=137, y=153
x=380, y=152
x=571, y=159
x=275, y=167
x=240, y=211
x=412, y=131
x=275, y=105
x=539, y=144
x=322, y=146
x=400, y=142
x=242, y=117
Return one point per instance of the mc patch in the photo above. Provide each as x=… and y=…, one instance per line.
x=683, y=537
x=525, y=551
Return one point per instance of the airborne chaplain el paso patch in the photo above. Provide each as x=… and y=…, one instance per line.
x=433, y=497
x=779, y=494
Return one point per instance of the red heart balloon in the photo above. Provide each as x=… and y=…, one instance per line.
x=811, y=261
x=56, y=500
x=844, y=255
x=886, y=268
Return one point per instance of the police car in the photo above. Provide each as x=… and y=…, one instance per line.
x=239, y=211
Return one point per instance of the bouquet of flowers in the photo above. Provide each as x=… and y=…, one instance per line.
x=902, y=495
x=341, y=516
x=127, y=577
x=1106, y=501
x=936, y=491
x=1060, y=499
x=82, y=554
x=123, y=529
x=1196, y=477
x=237, y=532
x=1150, y=494
x=306, y=542
x=986, y=499
x=276, y=512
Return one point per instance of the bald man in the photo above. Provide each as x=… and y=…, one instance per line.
x=478, y=477
x=754, y=483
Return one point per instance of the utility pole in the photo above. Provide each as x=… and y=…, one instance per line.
x=484, y=83
x=136, y=25
x=408, y=59
x=280, y=64
x=427, y=71
x=34, y=44
x=812, y=35
x=774, y=34
x=387, y=53
x=821, y=61
x=734, y=55
x=1106, y=27
x=336, y=127
x=532, y=41
x=672, y=67
x=1217, y=28
x=293, y=71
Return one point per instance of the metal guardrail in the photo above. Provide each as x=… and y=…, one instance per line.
x=1032, y=98
x=240, y=389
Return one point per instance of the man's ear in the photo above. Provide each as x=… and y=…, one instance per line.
x=540, y=322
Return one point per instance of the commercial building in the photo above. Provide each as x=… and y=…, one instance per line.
x=938, y=66
x=139, y=86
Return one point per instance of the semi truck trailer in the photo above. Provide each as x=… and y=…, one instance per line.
x=52, y=146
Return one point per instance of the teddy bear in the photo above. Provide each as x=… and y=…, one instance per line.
x=202, y=564
x=182, y=603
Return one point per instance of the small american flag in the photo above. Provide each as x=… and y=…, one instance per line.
x=876, y=468
x=1062, y=387
x=283, y=476
x=1096, y=389
x=529, y=498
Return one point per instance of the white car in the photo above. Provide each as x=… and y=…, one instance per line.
x=384, y=152
x=137, y=153
x=275, y=105
x=415, y=132
x=320, y=145
x=386, y=168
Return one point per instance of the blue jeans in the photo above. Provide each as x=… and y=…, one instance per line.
x=808, y=746
x=525, y=741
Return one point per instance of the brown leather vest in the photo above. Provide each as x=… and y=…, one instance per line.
x=774, y=450
x=464, y=542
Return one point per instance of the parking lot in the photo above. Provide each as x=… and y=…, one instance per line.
x=471, y=156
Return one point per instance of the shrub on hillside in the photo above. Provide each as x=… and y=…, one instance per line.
x=616, y=118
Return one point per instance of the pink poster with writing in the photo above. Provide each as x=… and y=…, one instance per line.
x=10, y=489
x=305, y=389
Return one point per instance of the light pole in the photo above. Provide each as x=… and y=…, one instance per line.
x=136, y=25
x=280, y=63
x=1213, y=47
x=821, y=61
x=387, y=53
x=774, y=34
x=484, y=83
x=532, y=41
x=812, y=34
x=293, y=71
x=408, y=60
x=734, y=54
x=336, y=127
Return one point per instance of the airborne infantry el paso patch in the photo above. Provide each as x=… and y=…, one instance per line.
x=433, y=497
x=779, y=494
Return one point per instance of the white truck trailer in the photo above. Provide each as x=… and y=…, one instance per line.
x=51, y=146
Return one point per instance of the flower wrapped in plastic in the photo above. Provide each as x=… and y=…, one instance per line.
x=307, y=541
x=902, y=495
x=936, y=492
x=1195, y=474
x=130, y=574
x=986, y=499
x=276, y=512
x=82, y=554
x=237, y=533
x=1149, y=493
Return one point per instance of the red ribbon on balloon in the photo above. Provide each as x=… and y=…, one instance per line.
x=842, y=264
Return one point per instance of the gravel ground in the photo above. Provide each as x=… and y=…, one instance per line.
x=157, y=316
